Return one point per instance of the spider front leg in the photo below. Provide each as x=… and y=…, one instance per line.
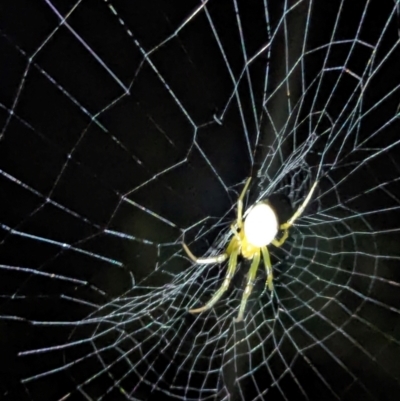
x=285, y=226
x=239, y=220
x=279, y=242
x=301, y=208
x=205, y=261
x=228, y=277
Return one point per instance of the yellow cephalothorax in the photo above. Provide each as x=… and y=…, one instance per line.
x=250, y=239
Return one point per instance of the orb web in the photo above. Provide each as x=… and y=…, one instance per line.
x=128, y=127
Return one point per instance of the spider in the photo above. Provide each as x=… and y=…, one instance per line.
x=250, y=240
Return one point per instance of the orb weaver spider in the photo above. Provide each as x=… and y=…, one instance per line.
x=250, y=240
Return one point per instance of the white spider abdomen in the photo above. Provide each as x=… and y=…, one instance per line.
x=261, y=225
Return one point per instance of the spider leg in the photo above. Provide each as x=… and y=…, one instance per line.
x=249, y=286
x=205, y=261
x=285, y=226
x=228, y=277
x=279, y=242
x=268, y=268
x=234, y=231
x=239, y=220
x=301, y=208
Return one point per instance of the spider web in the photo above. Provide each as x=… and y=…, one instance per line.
x=128, y=127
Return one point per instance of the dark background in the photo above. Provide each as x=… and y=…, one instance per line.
x=91, y=135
